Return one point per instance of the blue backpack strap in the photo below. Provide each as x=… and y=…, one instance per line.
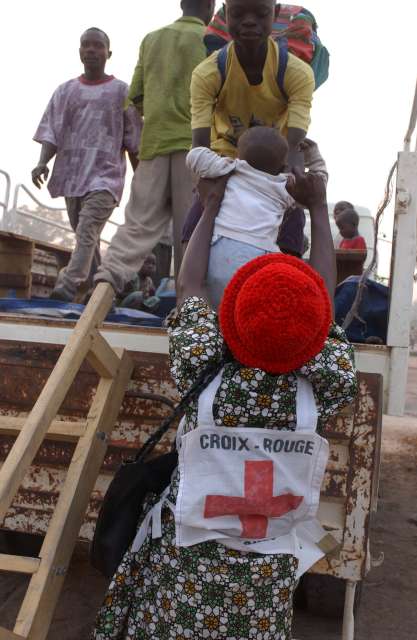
x=222, y=64
x=282, y=65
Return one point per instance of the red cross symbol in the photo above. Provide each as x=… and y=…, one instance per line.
x=258, y=503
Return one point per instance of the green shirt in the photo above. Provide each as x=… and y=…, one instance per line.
x=160, y=87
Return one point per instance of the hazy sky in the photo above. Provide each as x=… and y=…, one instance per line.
x=359, y=116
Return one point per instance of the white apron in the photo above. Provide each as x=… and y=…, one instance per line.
x=250, y=489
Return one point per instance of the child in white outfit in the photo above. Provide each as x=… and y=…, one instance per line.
x=254, y=202
x=255, y=199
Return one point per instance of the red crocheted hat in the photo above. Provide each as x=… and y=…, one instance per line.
x=275, y=313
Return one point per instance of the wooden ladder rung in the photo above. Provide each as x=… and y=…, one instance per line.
x=19, y=564
x=59, y=429
x=5, y=634
x=102, y=357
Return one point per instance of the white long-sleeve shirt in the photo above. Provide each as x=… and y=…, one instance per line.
x=254, y=202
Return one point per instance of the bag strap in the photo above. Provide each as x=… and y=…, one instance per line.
x=203, y=380
x=222, y=65
x=282, y=44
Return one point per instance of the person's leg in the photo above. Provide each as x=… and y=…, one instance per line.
x=95, y=263
x=226, y=257
x=96, y=208
x=73, y=209
x=146, y=216
x=163, y=254
x=182, y=197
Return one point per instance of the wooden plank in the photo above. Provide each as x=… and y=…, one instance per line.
x=18, y=564
x=16, y=258
x=52, y=396
x=19, y=264
x=16, y=245
x=58, y=430
x=5, y=634
x=21, y=294
x=41, y=597
x=15, y=279
x=103, y=358
x=15, y=327
x=10, y=237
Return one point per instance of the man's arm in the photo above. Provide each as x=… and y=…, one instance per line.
x=310, y=190
x=313, y=159
x=192, y=276
x=295, y=156
x=136, y=89
x=133, y=159
x=299, y=86
x=201, y=137
x=40, y=172
x=48, y=134
x=322, y=255
x=132, y=127
x=205, y=87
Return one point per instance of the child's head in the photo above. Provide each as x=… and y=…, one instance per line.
x=149, y=266
x=341, y=206
x=348, y=223
x=264, y=148
x=250, y=21
x=94, y=49
x=203, y=9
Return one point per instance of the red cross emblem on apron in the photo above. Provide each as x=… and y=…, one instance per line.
x=258, y=503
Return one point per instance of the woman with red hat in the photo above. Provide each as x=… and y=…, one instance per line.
x=218, y=555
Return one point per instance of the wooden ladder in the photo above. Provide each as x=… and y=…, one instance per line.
x=114, y=367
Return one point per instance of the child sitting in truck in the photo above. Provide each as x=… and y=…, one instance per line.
x=254, y=203
x=348, y=222
x=139, y=293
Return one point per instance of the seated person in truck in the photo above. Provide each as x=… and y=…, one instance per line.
x=139, y=293
x=340, y=206
x=227, y=99
x=87, y=130
x=254, y=204
x=348, y=225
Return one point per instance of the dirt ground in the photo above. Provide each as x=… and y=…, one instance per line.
x=387, y=609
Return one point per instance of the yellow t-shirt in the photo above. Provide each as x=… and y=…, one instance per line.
x=240, y=105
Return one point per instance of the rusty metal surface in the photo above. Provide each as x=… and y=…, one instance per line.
x=349, y=487
x=24, y=369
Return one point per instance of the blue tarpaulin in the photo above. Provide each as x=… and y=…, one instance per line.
x=373, y=310
x=55, y=309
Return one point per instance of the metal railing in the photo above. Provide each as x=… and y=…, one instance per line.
x=16, y=210
x=4, y=204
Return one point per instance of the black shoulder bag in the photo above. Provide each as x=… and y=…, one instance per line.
x=123, y=503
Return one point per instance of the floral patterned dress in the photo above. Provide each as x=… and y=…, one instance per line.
x=164, y=592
